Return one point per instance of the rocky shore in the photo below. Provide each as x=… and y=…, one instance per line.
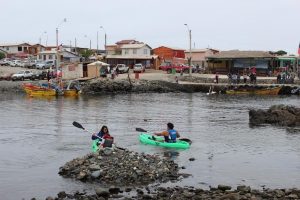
x=113, y=166
x=123, y=174
x=222, y=192
x=280, y=115
x=123, y=86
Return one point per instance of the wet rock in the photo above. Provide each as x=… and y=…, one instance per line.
x=100, y=192
x=280, y=115
x=191, y=159
x=293, y=196
x=49, y=198
x=114, y=190
x=231, y=196
x=224, y=187
x=94, y=167
x=62, y=194
x=128, y=189
x=243, y=188
x=96, y=174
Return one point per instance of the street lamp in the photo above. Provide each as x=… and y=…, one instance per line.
x=57, y=53
x=40, y=38
x=190, y=38
x=90, y=41
x=104, y=38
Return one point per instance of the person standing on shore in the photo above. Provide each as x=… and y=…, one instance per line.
x=217, y=78
x=245, y=78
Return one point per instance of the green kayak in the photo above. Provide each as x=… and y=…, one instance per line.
x=95, y=145
x=159, y=141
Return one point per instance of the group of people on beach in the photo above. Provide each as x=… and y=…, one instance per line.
x=106, y=140
x=236, y=78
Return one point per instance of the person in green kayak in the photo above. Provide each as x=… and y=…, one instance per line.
x=170, y=134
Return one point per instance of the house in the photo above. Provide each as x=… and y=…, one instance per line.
x=66, y=56
x=130, y=54
x=235, y=60
x=199, y=55
x=170, y=55
x=20, y=50
x=35, y=49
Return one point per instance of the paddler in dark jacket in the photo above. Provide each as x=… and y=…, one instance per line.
x=103, y=135
x=170, y=134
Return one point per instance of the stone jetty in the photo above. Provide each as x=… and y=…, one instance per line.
x=113, y=166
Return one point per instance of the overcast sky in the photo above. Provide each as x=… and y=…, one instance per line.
x=220, y=24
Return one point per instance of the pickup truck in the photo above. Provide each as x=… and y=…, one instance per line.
x=22, y=75
x=178, y=68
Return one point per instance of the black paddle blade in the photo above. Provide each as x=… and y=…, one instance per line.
x=186, y=140
x=76, y=124
x=140, y=130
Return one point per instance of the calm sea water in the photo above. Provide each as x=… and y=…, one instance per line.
x=37, y=137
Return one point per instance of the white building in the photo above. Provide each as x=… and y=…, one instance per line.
x=136, y=50
x=15, y=48
x=66, y=56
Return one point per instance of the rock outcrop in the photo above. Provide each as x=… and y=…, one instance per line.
x=280, y=115
x=120, y=167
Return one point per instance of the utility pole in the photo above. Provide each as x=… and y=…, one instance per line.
x=97, y=43
x=190, y=44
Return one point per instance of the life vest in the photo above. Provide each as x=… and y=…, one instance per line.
x=172, y=135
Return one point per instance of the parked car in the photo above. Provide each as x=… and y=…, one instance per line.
x=43, y=65
x=15, y=63
x=138, y=68
x=178, y=68
x=40, y=75
x=4, y=61
x=31, y=64
x=122, y=68
x=22, y=75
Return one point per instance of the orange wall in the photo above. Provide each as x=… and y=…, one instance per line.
x=167, y=53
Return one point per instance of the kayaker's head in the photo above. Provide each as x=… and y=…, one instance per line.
x=170, y=126
x=104, y=129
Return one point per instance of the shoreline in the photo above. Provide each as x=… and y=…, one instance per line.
x=156, y=81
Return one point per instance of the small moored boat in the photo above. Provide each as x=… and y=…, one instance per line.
x=255, y=90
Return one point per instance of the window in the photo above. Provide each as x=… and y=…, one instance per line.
x=50, y=57
x=25, y=48
x=44, y=57
x=134, y=51
x=40, y=57
x=19, y=48
x=126, y=51
x=7, y=48
x=145, y=51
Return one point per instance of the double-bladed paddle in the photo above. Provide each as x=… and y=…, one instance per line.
x=182, y=139
x=78, y=125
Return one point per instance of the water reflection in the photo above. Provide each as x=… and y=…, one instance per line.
x=170, y=154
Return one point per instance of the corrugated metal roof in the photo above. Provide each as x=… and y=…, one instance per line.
x=173, y=48
x=14, y=44
x=241, y=54
x=131, y=56
x=134, y=46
